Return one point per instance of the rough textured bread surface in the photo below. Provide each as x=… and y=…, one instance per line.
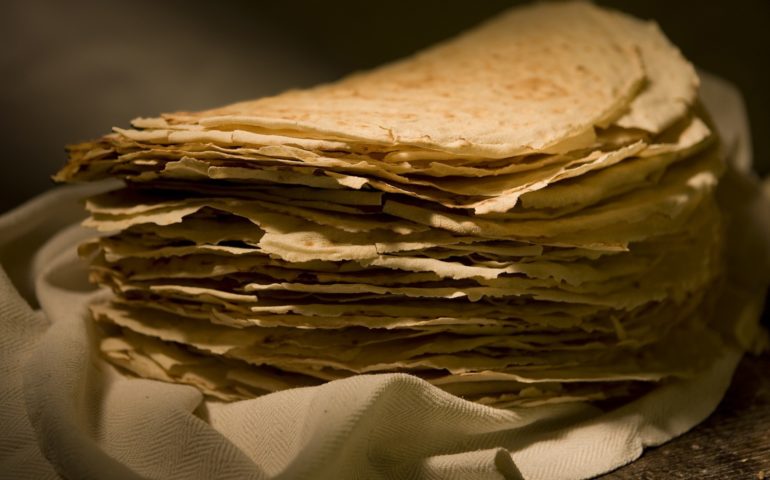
x=534, y=79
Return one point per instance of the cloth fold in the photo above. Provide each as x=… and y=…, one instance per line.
x=66, y=413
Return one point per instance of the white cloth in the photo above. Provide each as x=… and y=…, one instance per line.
x=67, y=413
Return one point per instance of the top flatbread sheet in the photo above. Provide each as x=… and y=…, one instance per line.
x=535, y=79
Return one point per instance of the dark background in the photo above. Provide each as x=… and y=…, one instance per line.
x=71, y=70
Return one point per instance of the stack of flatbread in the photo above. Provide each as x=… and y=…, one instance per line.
x=521, y=215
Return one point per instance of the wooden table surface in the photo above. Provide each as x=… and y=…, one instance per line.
x=733, y=443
